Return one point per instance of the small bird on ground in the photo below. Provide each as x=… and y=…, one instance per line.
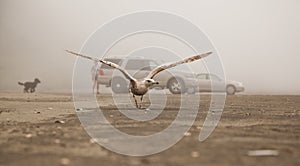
x=139, y=87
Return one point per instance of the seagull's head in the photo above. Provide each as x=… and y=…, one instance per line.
x=149, y=82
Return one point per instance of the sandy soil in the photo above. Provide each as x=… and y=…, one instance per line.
x=30, y=136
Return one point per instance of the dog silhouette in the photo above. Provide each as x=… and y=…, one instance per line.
x=30, y=86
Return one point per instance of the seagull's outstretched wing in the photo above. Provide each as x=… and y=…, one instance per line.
x=125, y=73
x=169, y=65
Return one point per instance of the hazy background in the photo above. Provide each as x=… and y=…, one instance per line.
x=258, y=41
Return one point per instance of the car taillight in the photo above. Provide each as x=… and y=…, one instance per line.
x=101, y=72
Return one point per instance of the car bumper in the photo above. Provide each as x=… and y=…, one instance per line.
x=240, y=89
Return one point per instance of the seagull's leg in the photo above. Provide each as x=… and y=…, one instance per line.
x=141, y=101
x=136, y=104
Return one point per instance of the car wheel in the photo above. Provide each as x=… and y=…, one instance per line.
x=230, y=90
x=119, y=85
x=176, y=86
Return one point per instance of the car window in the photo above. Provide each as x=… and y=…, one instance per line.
x=153, y=64
x=214, y=78
x=202, y=76
x=137, y=64
x=113, y=60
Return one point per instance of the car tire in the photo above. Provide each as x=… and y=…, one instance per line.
x=119, y=85
x=230, y=90
x=176, y=86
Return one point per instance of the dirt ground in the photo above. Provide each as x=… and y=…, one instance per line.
x=31, y=134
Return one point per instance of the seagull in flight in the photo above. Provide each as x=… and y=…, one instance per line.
x=139, y=87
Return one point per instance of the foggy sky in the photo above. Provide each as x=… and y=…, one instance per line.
x=258, y=41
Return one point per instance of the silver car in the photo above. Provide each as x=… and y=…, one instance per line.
x=176, y=81
x=205, y=80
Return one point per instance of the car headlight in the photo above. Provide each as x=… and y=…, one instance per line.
x=239, y=84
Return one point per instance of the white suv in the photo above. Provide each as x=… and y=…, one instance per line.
x=176, y=81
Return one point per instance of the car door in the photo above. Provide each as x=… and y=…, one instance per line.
x=162, y=77
x=216, y=83
x=203, y=82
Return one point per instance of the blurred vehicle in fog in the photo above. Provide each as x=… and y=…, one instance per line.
x=206, y=80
